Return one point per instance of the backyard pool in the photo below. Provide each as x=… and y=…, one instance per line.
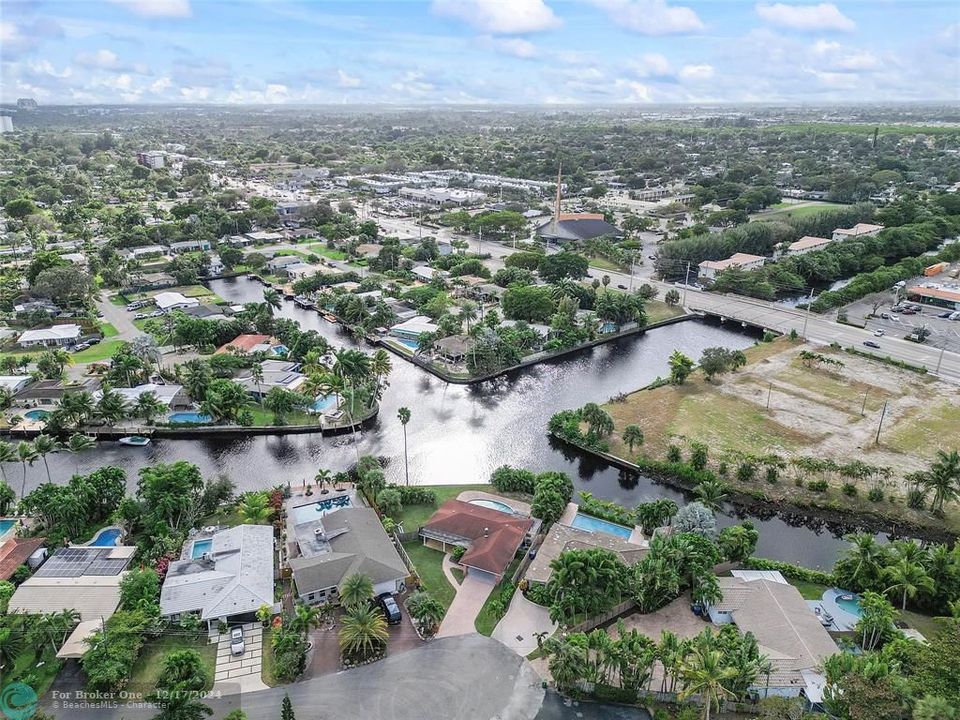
x=6, y=526
x=325, y=402
x=107, y=537
x=592, y=524
x=493, y=505
x=189, y=417
x=412, y=344
x=36, y=414
x=849, y=603
x=200, y=547
x=315, y=511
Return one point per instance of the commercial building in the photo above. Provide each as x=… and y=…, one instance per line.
x=942, y=296
x=153, y=159
x=573, y=227
x=808, y=243
x=709, y=269
x=441, y=196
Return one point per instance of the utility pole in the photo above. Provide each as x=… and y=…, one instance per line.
x=863, y=407
x=480, y=247
x=769, y=391
x=880, y=425
x=686, y=281
x=633, y=258
x=420, y=225
x=939, y=360
x=806, y=316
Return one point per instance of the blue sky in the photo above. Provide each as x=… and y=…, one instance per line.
x=478, y=51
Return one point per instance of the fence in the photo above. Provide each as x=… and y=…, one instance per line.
x=598, y=620
x=527, y=559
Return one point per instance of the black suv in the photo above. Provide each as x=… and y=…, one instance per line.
x=390, y=609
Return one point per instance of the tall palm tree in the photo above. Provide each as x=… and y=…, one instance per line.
x=907, y=578
x=944, y=479
x=322, y=478
x=355, y=589
x=632, y=435
x=256, y=374
x=705, y=674
x=27, y=455
x=403, y=414
x=148, y=407
x=43, y=445
x=77, y=407
x=111, y=407
x=254, y=509
x=78, y=443
x=271, y=300
x=305, y=618
x=363, y=632
x=380, y=365
x=468, y=313
x=8, y=453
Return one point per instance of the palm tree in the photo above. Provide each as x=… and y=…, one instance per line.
x=863, y=561
x=322, y=477
x=711, y=493
x=468, y=312
x=704, y=674
x=77, y=407
x=43, y=445
x=254, y=509
x=380, y=364
x=112, y=407
x=11, y=643
x=256, y=374
x=78, y=443
x=907, y=578
x=363, y=632
x=271, y=300
x=148, y=407
x=27, y=455
x=944, y=479
x=426, y=610
x=355, y=589
x=7, y=454
x=632, y=435
x=305, y=618
x=403, y=414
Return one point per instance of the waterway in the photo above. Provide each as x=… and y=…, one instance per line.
x=460, y=434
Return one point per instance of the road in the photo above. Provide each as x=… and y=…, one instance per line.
x=457, y=678
x=119, y=317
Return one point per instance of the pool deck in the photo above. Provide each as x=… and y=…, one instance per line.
x=518, y=506
x=843, y=621
x=570, y=513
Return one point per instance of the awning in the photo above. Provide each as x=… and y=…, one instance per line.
x=76, y=645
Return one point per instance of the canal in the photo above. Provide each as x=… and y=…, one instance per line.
x=460, y=434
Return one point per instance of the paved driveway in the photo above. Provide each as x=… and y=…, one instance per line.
x=119, y=317
x=471, y=595
x=241, y=673
x=517, y=628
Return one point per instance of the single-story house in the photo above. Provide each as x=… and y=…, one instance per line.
x=46, y=393
x=173, y=397
x=426, y=273
x=53, y=336
x=264, y=236
x=205, y=312
x=454, y=348
x=15, y=383
x=190, y=246
x=858, y=230
x=709, y=269
x=341, y=543
x=786, y=628
x=486, y=292
x=147, y=251
x=808, y=243
x=85, y=578
x=298, y=270
x=411, y=329
x=491, y=537
x=254, y=344
x=561, y=538
x=167, y=301
x=401, y=310
x=288, y=379
x=282, y=261
x=15, y=552
x=31, y=306
x=222, y=576
x=215, y=265
x=157, y=280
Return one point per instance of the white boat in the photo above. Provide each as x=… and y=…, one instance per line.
x=134, y=440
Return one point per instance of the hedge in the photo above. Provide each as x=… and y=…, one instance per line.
x=795, y=572
x=606, y=510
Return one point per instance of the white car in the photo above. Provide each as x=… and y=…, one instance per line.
x=236, y=641
x=879, y=332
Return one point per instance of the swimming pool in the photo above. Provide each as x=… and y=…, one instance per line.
x=412, y=344
x=325, y=402
x=493, y=505
x=6, y=526
x=106, y=538
x=315, y=511
x=200, y=547
x=189, y=417
x=852, y=606
x=36, y=414
x=592, y=524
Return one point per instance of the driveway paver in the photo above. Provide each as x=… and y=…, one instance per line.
x=517, y=629
x=471, y=595
x=240, y=673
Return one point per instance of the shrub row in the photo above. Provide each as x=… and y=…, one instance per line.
x=795, y=572
x=415, y=495
x=888, y=361
x=606, y=510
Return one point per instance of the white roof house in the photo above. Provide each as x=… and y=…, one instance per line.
x=414, y=326
x=426, y=273
x=710, y=268
x=15, y=383
x=166, y=394
x=808, y=243
x=54, y=335
x=858, y=230
x=167, y=301
x=234, y=576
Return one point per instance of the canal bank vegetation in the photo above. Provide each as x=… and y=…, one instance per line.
x=778, y=422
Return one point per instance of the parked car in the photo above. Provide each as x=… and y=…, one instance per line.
x=621, y=287
x=885, y=316
x=81, y=346
x=93, y=341
x=955, y=316
x=236, y=641
x=390, y=609
x=945, y=314
x=879, y=332
x=871, y=344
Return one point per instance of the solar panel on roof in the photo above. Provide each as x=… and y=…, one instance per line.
x=78, y=561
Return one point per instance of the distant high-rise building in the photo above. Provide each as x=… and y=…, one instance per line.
x=26, y=104
x=152, y=159
x=6, y=124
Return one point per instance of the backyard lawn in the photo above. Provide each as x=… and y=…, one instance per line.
x=809, y=590
x=657, y=311
x=413, y=517
x=100, y=351
x=148, y=666
x=429, y=564
x=321, y=249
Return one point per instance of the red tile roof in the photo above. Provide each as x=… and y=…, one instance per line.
x=245, y=343
x=494, y=536
x=15, y=552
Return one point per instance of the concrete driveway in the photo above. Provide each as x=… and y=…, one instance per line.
x=517, y=629
x=471, y=595
x=119, y=317
x=236, y=674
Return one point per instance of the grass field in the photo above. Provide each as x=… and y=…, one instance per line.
x=147, y=669
x=108, y=330
x=783, y=211
x=657, y=310
x=932, y=428
x=321, y=249
x=809, y=590
x=429, y=564
x=414, y=516
x=100, y=351
x=267, y=661
x=603, y=264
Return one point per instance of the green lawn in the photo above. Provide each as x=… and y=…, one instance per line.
x=108, y=330
x=429, y=564
x=101, y=351
x=25, y=664
x=487, y=618
x=795, y=210
x=196, y=291
x=458, y=574
x=117, y=300
x=413, y=517
x=321, y=249
x=147, y=669
x=266, y=669
x=603, y=264
x=809, y=590
x=262, y=416
x=657, y=310
x=927, y=626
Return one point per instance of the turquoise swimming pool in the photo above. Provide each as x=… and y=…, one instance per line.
x=851, y=605
x=106, y=537
x=189, y=417
x=412, y=344
x=324, y=403
x=36, y=414
x=592, y=524
x=6, y=526
x=200, y=547
x=493, y=505
x=315, y=511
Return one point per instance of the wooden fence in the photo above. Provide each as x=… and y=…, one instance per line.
x=598, y=620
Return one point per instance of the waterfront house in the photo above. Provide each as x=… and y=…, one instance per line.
x=280, y=262
x=491, y=537
x=254, y=344
x=786, y=628
x=562, y=537
x=53, y=336
x=169, y=301
x=205, y=312
x=276, y=373
x=411, y=329
x=222, y=576
x=454, y=349
x=339, y=543
x=709, y=269
x=172, y=397
x=49, y=393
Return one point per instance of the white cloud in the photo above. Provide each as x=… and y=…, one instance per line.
x=500, y=17
x=836, y=81
x=651, y=17
x=193, y=94
x=103, y=59
x=157, y=8
x=836, y=57
x=346, y=81
x=9, y=32
x=631, y=91
x=650, y=65
x=825, y=16
x=515, y=47
x=160, y=86
x=696, y=72
x=412, y=83
x=46, y=68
